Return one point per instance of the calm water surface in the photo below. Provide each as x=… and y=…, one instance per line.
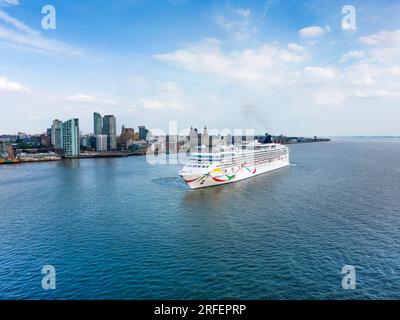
x=124, y=229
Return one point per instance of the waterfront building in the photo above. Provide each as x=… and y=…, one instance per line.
x=70, y=138
x=143, y=132
x=291, y=140
x=32, y=141
x=44, y=140
x=171, y=144
x=87, y=141
x=101, y=142
x=48, y=134
x=10, y=152
x=229, y=140
x=127, y=137
x=7, y=138
x=3, y=149
x=138, y=147
x=197, y=139
x=56, y=134
x=193, y=138
x=205, y=138
x=97, y=124
x=268, y=138
x=38, y=157
x=110, y=129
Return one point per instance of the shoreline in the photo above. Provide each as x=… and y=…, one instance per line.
x=117, y=155
x=97, y=156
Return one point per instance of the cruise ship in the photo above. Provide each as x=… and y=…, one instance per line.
x=231, y=164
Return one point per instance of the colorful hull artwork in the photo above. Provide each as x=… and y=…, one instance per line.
x=215, y=178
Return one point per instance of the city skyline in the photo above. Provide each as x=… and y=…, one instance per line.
x=276, y=66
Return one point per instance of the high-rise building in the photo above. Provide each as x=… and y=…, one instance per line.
x=194, y=138
x=56, y=134
x=143, y=133
x=205, y=138
x=97, y=124
x=48, y=133
x=70, y=137
x=110, y=129
x=101, y=142
x=3, y=148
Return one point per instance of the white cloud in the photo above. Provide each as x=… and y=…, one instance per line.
x=239, y=29
x=243, y=12
x=375, y=70
x=10, y=2
x=173, y=96
x=329, y=97
x=237, y=22
x=268, y=63
x=382, y=38
x=371, y=72
x=395, y=70
x=320, y=73
x=382, y=47
x=168, y=96
x=17, y=33
x=6, y=18
x=225, y=23
x=85, y=98
x=296, y=47
x=6, y=85
x=313, y=31
x=151, y=104
x=379, y=93
x=352, y=55
x=138, y=81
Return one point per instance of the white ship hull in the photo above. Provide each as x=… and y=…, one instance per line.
x=234, y=174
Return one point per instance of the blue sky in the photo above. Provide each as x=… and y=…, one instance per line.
x=273, y=66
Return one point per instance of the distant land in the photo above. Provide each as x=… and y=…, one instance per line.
x=365, y=137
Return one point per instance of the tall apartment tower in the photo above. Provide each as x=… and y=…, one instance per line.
x=110, y=129
x=205, y=138
x=97, y=124
x=70, y=138
x=143, y=133
x=56, y=134
x=48, y=133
